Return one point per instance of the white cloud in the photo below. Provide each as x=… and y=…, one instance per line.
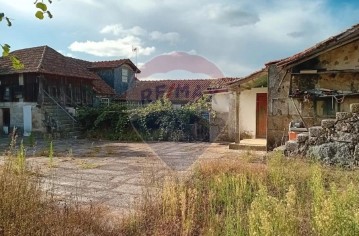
x=117, y=29
x=171, y=37
x=121, y=47
x=232, y=15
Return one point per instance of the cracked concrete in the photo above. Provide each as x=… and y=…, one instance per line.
x=115, y=174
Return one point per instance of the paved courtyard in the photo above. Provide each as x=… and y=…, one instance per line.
x=113, y=173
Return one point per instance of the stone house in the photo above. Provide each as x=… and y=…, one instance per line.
x=312, y=86
x=43, y=95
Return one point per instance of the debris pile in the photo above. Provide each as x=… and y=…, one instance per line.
x=335, y=142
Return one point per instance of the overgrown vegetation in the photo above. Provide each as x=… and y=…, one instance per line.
x=109, y=122
x=26, y=210
x=158, y=121
x=235, y=197
x=244, y=195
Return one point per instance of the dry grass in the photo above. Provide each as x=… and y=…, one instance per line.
x=254, y=196
x=26, y=210
x=247, y=195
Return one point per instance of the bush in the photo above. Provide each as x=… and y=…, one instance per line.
x=110, y=122
x=158, y=121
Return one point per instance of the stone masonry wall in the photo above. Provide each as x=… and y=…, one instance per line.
x=335, y=142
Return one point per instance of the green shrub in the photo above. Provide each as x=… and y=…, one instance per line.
x=158, y=121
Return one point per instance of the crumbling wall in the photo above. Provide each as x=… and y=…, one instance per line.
x=282, y=109
x=218, y=130
x=17, y=117
x=335, y=141
x=341, y=58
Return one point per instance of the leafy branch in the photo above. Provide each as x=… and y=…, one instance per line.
x=41, y=11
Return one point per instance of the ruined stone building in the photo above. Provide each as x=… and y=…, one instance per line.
x=312, y=85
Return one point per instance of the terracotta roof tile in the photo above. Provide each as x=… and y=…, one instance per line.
x=182, y=91
x=45, y=60
x=113, y=64
x=248, y=78
x=101, y=88
x=348, y=34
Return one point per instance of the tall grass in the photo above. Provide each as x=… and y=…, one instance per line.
x=236, y=197
x=26, y=210
x=230, y=196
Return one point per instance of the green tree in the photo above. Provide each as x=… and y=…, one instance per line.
x=41, y=11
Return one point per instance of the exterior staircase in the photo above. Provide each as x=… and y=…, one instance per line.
x=58, y=120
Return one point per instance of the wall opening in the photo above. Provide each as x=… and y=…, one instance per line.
x=5, y=120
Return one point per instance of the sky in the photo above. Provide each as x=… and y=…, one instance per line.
x=237, y=36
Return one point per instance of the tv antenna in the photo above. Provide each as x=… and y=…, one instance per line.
x=135, y=50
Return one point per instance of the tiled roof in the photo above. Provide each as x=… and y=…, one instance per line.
x=45, y=60
x=99, y=85
x=249, y=78
x=182, y=91
x=332, y=42
x=101, y=88
x=220, y=85
x=113, y=64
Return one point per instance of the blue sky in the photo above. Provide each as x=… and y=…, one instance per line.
x=238, y=36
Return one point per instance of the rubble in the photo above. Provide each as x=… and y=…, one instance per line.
x=354, y=107
x=335, y=142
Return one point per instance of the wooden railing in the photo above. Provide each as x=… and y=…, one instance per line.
x=59, y=106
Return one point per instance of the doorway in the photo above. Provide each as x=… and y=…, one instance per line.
x=5, y=120
x=261, y=115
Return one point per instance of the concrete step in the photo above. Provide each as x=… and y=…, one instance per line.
x=249, y=144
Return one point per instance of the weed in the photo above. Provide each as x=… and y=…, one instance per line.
x=51, y=155
x=239, y=197
x=31, y=142
x=87, y=165
x=69, y=153
x=26, y=210
x=110, y=150
x=20, y=159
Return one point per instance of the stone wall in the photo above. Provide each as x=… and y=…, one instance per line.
x=17, y=118
x=219, y=127
x=281, y=109
x=335, y=142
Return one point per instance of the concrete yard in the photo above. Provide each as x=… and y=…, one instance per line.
x=113, y=173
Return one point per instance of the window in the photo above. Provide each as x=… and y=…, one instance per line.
x=7, y=95
x=125, y=75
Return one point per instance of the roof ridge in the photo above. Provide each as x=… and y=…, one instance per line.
x=112, y=60
x=42, y=57
x=174, y=80
x=317, y=46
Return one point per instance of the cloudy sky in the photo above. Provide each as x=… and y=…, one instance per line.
x=238, y=36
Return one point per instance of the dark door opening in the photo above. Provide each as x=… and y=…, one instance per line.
x=5, y=120
x=6, y=116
